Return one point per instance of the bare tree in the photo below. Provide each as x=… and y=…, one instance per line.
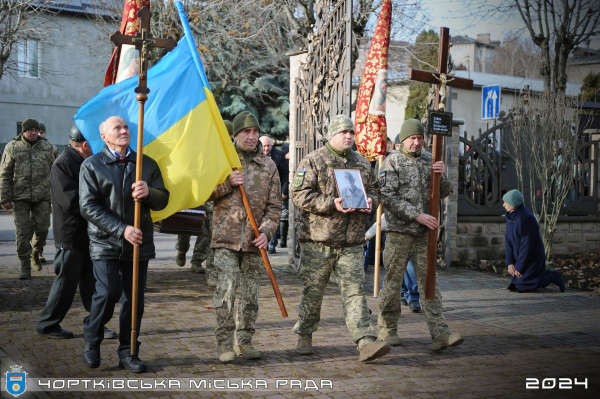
x=19, y=20
x=556, y=27
x=517, y=57
x=407, y=18
x=545, y=147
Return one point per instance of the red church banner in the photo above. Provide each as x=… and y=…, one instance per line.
x=370, y=124
x=124, y=61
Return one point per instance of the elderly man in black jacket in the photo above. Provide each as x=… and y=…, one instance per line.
x=72, y=262
x=107, y=191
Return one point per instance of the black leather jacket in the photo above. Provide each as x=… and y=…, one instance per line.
x=106, y=202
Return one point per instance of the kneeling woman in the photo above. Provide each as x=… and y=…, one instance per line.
x=525, y=255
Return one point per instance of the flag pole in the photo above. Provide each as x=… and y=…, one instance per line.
x=190, y=40
x=263, y=252
x=141, y=97
x=377, y=243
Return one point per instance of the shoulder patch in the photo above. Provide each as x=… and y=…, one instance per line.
x=382, y=178
x=299, y=178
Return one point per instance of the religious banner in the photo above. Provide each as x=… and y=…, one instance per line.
x=370, y=123
x=124, y=61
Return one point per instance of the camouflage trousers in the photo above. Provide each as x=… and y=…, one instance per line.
x=399, y=248
x=202, y=250
x=317, y=262
x=32, y=221
x=233, y=268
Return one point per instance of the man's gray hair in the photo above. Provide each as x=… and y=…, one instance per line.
x=102, y=126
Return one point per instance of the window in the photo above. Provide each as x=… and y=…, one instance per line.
x=455, y=96
x=28, y=58
x=19, y=128
x=480, y=53
x=488, y=53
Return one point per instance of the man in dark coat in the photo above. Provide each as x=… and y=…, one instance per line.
x=72, y=262
x=106, y=199
x=283, y=167
x=525, y=255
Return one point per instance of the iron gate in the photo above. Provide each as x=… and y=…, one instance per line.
x=323, y=89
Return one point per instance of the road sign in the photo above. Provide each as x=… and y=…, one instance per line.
x=490, y=102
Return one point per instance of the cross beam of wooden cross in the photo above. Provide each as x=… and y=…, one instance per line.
x=440, y=79
x=144, y=42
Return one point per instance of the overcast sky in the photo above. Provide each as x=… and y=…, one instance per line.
x=454, y=15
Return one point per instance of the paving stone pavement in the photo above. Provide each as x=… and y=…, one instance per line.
x=508, y=337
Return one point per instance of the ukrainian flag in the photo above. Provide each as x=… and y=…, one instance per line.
x=183, y=128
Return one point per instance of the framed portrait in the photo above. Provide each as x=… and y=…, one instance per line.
x=350, y=187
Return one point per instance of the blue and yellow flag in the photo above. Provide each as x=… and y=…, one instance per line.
x=183, y=128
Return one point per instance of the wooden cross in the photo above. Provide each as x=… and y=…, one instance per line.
x=440, y=79
x=144, y=42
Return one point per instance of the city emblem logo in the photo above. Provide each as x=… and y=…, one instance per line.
x=16, y=381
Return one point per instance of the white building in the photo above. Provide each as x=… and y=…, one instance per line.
x=466, y=104
x=473, y=54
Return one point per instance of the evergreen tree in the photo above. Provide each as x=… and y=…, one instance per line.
x=590, y=90
x=425, y=56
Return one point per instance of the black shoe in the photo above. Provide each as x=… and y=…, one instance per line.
x=403, y=302
x=57, y=334
x=133, y=364
x=91, y=356
x=414, y=306
x=110, y=334
x=282, y=244
x=271, y=249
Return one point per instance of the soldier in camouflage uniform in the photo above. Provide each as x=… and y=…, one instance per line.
x=237, y=255
x=331, y=240
x=24, y=181
x=404, y=179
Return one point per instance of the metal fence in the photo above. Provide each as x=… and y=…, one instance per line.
x=487, y=171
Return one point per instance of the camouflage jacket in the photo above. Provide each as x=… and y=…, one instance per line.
x=25, y=170
x=314, y=190
x=405, y=190
x=231, y=227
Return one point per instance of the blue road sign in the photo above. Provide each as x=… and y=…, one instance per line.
x=490, y=102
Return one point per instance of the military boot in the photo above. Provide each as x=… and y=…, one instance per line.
x=226, y=353
x=304, y=346
x=35, y=261
x=248, y=352
x=197, y=268
x=390, y=336
x=446, y=340
x=373, y=350
x=180, y=258
x=25, y=269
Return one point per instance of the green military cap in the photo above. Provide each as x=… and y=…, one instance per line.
x=397, y=139
x=411, y=127
x=338, y=124
x=243, y=120
x=29, y=123
x=42, y=127
x=229, y=127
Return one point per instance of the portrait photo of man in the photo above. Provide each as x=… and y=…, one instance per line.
x=351, y=188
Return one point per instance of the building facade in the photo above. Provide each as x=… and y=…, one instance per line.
x=59, y=71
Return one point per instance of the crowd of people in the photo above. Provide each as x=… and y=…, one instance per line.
x=93, y=195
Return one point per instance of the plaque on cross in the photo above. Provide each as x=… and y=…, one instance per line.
x=441, y=80
x=143, y=42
